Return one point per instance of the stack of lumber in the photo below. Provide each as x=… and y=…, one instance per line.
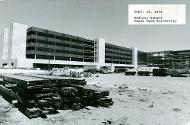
x=8, y=90
x=40, y=95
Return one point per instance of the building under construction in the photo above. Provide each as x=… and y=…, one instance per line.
x=165, y=59
x=32, y=47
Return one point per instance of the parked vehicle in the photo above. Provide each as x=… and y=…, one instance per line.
x=160, y=72
x=130, y=72
x=146, y=71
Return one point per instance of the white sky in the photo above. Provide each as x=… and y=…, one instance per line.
x=98, y=18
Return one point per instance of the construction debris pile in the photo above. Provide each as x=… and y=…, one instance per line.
x=40, y=95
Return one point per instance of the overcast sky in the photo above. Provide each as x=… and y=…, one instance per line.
x=90, y=19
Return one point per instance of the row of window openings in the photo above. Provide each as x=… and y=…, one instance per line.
x=5, y=64
x=117, y=62
x=59, y=37
x=127, y=61
x=59, y=44
x=32, y=56
x=119, y=53
x=59, y=51
x=117, y=48
x=114, y=54
x=70, y=52
x=52, y=43
x=117, y=57
x=158, y=57
x=55, y=50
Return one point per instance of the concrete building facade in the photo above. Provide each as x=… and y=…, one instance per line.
x=4, y=45
x=165, y=59
x=32, y=47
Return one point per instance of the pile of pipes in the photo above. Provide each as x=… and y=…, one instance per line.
x=40, y=95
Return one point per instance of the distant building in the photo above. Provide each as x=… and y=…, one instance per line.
x=32, y=47
x=165, y=59
x=142, y=58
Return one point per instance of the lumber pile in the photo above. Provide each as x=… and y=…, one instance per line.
x=40, y=95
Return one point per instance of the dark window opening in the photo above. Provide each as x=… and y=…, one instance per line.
x=76, y=59
x=51, y=36
x=4, y=64
x=88, y=60
x=31, y=56
x=59, y=44
x=31, y=32
x=77, y=47
x=66, y=38
x=108, y=61
x=76, y=53
x=51, y=43
x=12, y=64
x=30, y=48
x=62, y=51
x=44, y=57
x=41, y=34
x=89, y=43
x=77, y=41
x=59, y=37
x=62, y=58
x=44, y=49
x=32, y=40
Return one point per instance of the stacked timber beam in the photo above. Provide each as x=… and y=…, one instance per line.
x=40, y=95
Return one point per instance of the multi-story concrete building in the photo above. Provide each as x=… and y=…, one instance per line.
x=165, y=59
x=45, y=44
x=142, y=58
x=32, y=47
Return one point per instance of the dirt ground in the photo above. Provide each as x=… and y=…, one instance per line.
x=138, y=100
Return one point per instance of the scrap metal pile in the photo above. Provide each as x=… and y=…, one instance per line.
x=40, y=95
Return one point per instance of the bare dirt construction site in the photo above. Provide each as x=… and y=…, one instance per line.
x=138, y=100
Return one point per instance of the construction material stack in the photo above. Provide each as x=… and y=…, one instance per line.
x=40, y=95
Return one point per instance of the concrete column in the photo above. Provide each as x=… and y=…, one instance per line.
x=4, y=45
x=112, y=68
x=1, y=49
x=100, y=51
x=18, y=41
x=135, y=57
x=1, y=46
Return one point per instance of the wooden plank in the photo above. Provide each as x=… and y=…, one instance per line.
x=24, y=81
x=28, y=102
x=44, y=95
x=7, y=93
x=29, y=112
x=61, y=80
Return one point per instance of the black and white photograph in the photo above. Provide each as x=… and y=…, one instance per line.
x=94, y=62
